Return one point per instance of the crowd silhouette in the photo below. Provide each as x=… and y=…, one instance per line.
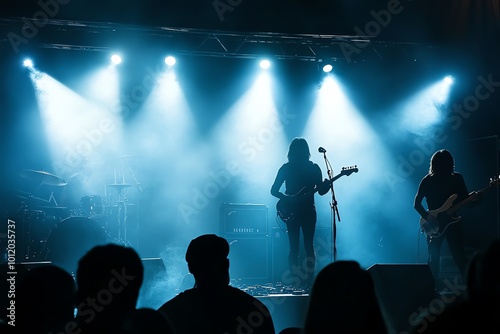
x=343, y=300
x=103, y=296
x=478, y=312
x=212, y=305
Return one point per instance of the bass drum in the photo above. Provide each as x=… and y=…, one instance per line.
x=70, y=239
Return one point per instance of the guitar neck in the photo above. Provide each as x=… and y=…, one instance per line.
x=345, y=171
x=305, y=191
x=466, y=201
x=336, y=177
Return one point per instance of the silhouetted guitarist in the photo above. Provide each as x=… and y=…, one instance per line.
x=440, y=185
x=302, y=178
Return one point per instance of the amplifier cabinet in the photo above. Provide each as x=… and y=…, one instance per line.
x=243, y=219
x=249, y=259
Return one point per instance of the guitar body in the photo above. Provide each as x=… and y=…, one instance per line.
x=286, y=207
x=435, y=230
x=445, y=214
x=285, y=211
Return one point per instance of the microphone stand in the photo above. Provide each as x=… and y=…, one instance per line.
x=334, y=208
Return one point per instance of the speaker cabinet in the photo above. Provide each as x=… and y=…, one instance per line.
x=154, y=286
x=154, y=268
x=249, y=259
x=402, y=290
x=243, y=219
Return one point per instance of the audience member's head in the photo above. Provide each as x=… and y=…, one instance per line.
x=109, y=278
x=213, y=306
x=45, y=300
x=207, y=260
x=343, y=300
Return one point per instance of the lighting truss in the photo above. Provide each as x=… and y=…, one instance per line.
x=103, y=37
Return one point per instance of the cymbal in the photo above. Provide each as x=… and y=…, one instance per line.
x=22, y=194
x=42, y=177
x=56, y=211
x=125, y=202
x=127, y=156
x=50, y=208
x=119, y=185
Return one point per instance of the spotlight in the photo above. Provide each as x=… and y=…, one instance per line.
x=327, y=68
x=116, y=59
x=170, y=61
x=448, y=79
x=28, y=63
x=265, y=64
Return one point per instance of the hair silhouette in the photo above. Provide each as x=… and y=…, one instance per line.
x=343, y=300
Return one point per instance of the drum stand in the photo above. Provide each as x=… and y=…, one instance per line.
x=37, y=179
x=122, y=212
x=31, y=231
x=24, y=214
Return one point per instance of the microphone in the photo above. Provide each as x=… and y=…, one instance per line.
x=321, y=150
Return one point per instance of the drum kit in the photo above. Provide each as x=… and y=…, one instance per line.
x=63, y=235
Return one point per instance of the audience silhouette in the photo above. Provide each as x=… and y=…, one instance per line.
x=212, y=305
x=291, y=330
x=479, y=312
x=343, y=300
x=484, y=281
x=108, y=279
x=45, y=300
x=148, y=321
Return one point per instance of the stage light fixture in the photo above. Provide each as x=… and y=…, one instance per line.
x=327, y=68
x=116, y=59
x=28, y=63
x=448, y=79
x=265, y=64
x=170, y=61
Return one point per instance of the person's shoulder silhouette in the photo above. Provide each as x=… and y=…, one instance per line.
x=343, y=300
x=45, y=300
x=212, y=305
x=147, y=321
x=108, y=278
x=479, y=312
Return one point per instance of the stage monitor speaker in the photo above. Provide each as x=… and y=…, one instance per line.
x=154, y=286
x=154, y=269
x=402, y=290
x=249, y=259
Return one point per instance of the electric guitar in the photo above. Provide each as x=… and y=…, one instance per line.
x=446, y=213
x=286, y=207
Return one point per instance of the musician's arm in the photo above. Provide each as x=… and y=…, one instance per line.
x=478, y=199
x=278, y=182
x=417, y=203
x=323, y=186
x=463, y=193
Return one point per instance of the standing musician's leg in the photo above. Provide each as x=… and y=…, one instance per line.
x=434, y=249
x=308, y=229
x=293, y=231
x=457, y=248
